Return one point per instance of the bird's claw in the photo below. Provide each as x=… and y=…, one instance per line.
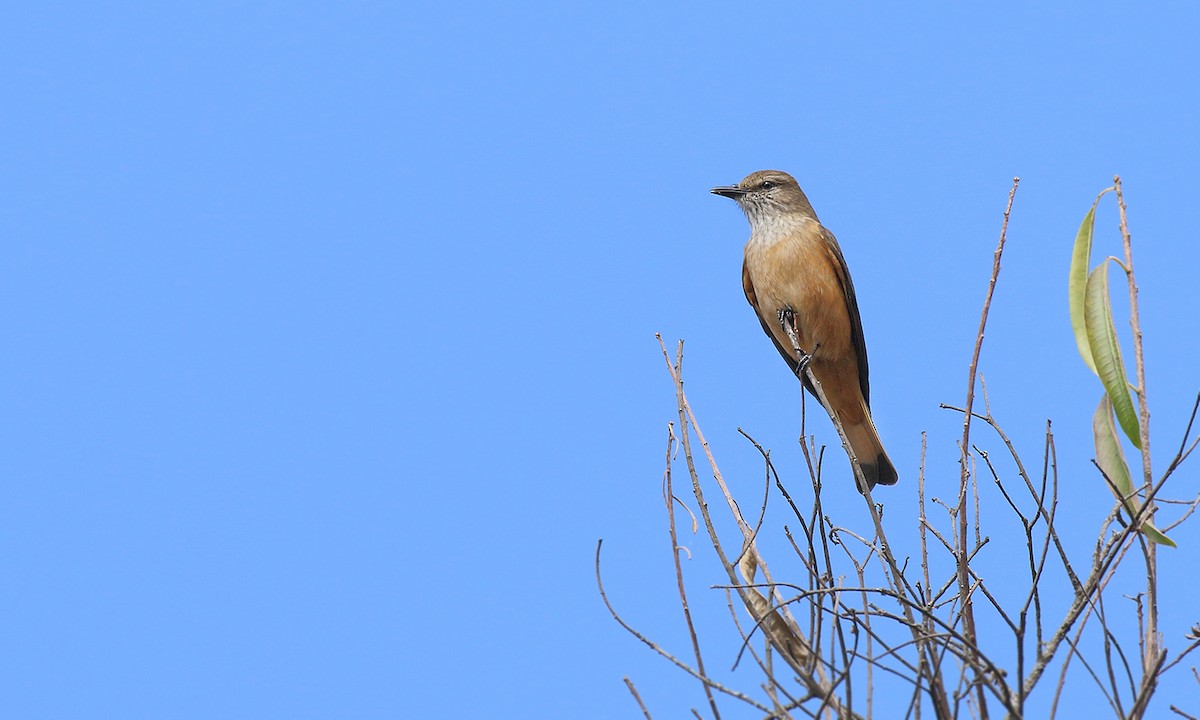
x=787, y=321
x=802, y=363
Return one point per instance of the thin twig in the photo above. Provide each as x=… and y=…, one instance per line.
x=659, y=649
x=1152, y=641
x=633, y=691
x=669, y=497
x=963, y=582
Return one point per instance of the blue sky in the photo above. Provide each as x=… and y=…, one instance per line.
x=328, y=328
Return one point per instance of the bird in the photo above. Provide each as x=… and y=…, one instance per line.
x=796, y=279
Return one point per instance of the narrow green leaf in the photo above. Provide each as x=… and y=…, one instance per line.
x=1155, y=535
x=1111, y=460
x=1077, y=283
x=1106, y=351
x=1109, y=455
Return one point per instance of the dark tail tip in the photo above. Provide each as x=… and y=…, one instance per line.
x=880, y=472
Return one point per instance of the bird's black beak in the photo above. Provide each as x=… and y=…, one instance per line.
x=732, y=192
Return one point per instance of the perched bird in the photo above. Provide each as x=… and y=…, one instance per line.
x=797, y=282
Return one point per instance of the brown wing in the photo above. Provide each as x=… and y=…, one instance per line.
x=788, y=356
x=856, y=331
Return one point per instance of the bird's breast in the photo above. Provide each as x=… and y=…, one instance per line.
x=792, y=266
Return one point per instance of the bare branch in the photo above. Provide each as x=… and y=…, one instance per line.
x=633, y=691
x=658, y=649
x=669, y=498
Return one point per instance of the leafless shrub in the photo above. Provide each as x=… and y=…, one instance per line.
x=857, y=618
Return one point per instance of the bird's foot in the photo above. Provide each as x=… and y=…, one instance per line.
x=787, y=321
x=802, y=363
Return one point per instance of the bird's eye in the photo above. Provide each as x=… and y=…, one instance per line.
x=768, y=184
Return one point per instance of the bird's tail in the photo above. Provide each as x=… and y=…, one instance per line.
x=873, y=459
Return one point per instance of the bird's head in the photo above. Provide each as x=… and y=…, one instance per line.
x=766, y=195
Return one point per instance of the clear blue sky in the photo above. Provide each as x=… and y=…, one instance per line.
x=328, y=327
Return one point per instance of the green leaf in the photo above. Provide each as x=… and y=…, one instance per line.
x=1109, y=455
x=1077, y=283
x=1106, y=351
x=1111, y=460
x=1156, y=536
